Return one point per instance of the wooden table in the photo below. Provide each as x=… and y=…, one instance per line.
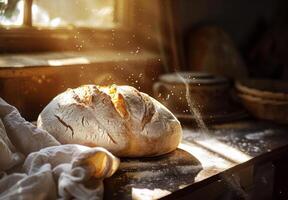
x=234, y=160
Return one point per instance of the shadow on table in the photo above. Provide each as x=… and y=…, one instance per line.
x=168, y=173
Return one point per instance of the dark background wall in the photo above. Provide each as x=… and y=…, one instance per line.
x=247, y=22
x=240, y=18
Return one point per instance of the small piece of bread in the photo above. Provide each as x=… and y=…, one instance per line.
x=121, y=119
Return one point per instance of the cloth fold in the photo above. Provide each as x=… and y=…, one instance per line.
x=48, y=170
x=8, y=155
x=24, y=135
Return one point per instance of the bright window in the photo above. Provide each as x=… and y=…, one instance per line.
x=80, y=13
x=81, y=25
x=11, y=12
x=59, y=13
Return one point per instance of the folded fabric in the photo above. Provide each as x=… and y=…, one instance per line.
x=8, y=157
x=63, y=172
x=50, y=170
x=24, y=135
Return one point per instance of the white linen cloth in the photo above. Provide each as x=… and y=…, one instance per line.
x=45, y=169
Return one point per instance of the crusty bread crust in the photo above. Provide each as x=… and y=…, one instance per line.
x=121, y=119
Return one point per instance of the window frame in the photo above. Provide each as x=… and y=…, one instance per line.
x=29, y=38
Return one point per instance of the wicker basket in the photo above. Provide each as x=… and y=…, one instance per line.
x=265, y=99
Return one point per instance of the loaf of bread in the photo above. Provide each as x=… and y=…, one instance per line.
x=121, y=119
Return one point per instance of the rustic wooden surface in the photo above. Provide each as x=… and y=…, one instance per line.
x=226, y=147
x=169, y=172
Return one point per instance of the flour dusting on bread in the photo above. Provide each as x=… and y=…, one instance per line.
x=121, y=119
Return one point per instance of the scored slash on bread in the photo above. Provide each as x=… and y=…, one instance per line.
x=121, y=119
